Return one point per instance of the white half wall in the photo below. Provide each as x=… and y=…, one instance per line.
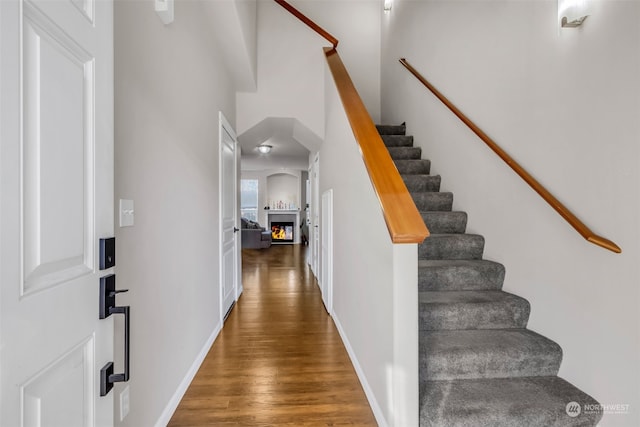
x=170, y=83
x=375, y=288
x=564, y=103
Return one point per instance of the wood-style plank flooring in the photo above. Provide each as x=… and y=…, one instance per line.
x=279, y=360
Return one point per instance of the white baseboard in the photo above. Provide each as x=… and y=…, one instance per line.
x=171, y=407
x=375, y=407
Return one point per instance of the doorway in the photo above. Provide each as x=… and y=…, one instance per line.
x=229, y=252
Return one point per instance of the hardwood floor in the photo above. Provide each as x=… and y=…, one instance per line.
x=279, y=360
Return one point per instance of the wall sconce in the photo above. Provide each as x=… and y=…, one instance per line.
x=264, y=148
x=164, y=9
x=387, y=5
x=572, y=13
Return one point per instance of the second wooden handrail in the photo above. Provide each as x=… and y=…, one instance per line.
x=578, y=225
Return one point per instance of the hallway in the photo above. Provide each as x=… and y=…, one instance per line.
x=279, y=359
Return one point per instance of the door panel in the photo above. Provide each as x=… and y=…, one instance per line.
x=56, y=188
x=56, y=393
x=58, y=111
x=228, y=209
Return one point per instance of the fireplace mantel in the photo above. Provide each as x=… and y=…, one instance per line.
x=283, y=211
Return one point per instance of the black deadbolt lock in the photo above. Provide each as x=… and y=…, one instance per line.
x=107, y=253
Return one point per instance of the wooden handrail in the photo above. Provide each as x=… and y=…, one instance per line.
x=578, y=225
x=404, y=222
x=315, y=27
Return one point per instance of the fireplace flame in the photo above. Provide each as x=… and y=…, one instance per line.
x=277, y=233
x=283, y=232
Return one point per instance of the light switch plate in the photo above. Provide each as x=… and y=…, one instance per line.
x=126, y=213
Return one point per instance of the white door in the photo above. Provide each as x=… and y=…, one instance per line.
x=315, y=216
x=228, y=210
x=327, y=250
x=56, y=187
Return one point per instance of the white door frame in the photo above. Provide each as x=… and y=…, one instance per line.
x=225, y=126
x=326, y=243
x=315, y=217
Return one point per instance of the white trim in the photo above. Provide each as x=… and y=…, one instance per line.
x=405, y=373
x=173, y=403
x=314, y=176
x=375, y=407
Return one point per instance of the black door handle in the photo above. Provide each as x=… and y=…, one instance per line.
x=236, y=229
x=107, y=377
x=108, y=307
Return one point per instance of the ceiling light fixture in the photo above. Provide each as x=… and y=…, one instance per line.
x=264, y=148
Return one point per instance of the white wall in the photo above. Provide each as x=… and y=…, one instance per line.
x=356, y=24
x=565, y=104
x=291, y=61
x=285, y=188
x=247, y=11
x=170, y=83
x=233, y=31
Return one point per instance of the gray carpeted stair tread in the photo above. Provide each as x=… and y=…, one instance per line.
x=487, y=353
x=405, y=153
x=448, y=310
x=505, y=402
x=451, y=246
x=391, y=129
x=459, y=275
x=413, y=167
x=445, y=222
x=422, y=183
x=397, y=140
x=433, y=201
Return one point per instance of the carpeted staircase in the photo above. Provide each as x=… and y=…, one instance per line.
x=479, y=365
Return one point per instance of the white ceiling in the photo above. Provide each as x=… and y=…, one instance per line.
x=291, y=141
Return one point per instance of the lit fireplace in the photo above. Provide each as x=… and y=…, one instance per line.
x=282, y=231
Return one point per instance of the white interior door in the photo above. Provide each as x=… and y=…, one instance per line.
x=56, y=187
x=228, y=215
x=327, y=250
